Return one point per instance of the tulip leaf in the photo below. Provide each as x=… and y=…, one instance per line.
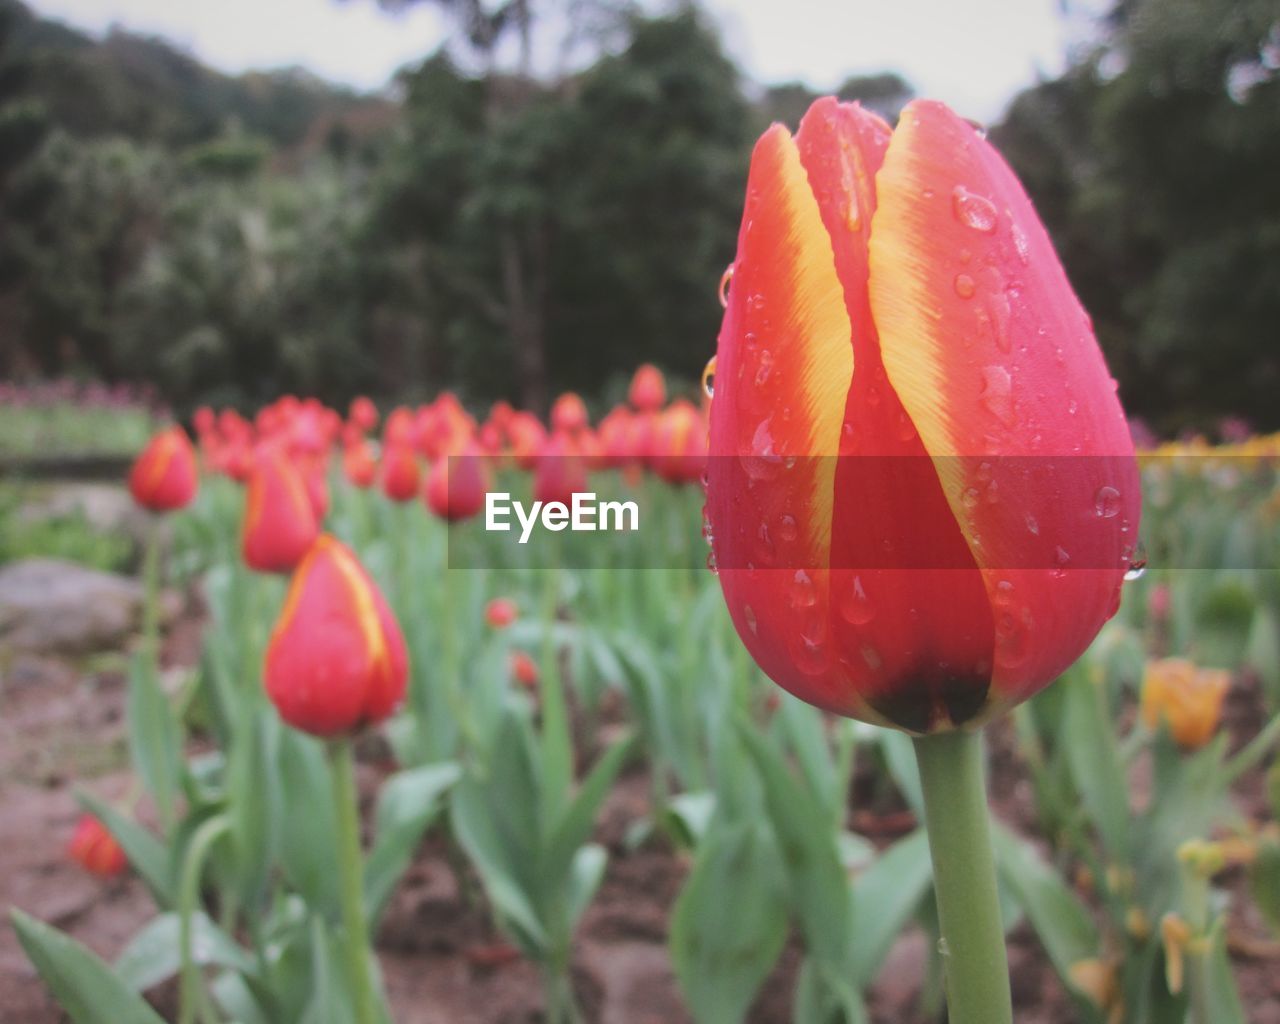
x=1061, y=921
x=900, y=757
x=407, y=804
x=1221, y=996
x=147, y=854
x=574, y=827
x=809, y=851
x=308, y=825
x=152, y=955
x=585, y=876
x=1089, y=741
x=1264, y=880
x=84, y=986
x=722, y=944
x=885, y=896
x=154, y=743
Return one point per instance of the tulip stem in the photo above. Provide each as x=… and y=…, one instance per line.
x=351, y=879
x=964, y=878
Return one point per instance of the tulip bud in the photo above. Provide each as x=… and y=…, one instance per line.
x=363, y=414
x=401, y=474
x=95, y=849
x=648, y=389
x=358, y=465
x=336, y=661
x=680, y=444
x=524, y=670
x=164, y=477
x=1188, y=699
x=560, y=471
x=280, y=520
x=922, y=489
x=569, y=413
x=501, y=612
x=458, y=484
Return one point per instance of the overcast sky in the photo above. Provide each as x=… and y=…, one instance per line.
x=974, y=54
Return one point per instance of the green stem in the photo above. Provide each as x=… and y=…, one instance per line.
x=350, y=871
x=1254, y=751
x=964, y=878
x=191, y=987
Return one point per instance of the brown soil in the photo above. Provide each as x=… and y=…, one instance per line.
x=62, y=726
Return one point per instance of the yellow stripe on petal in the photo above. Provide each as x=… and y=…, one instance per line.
x=799, y=364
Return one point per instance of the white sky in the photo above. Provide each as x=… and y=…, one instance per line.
x=974, y=54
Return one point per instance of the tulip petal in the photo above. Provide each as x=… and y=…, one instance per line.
x=995, y=362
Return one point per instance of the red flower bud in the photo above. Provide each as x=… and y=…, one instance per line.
x=359, y=465
x=363, y=414
x=648, y=389
x=95, y=849
x=560, y=472
x=336, y=661
x=524, y=670
x=164, y=476
x=280, y=520
x=501, y=612
x=458, y=484
x=922, y=488
x=401, y=474
x=569, y=413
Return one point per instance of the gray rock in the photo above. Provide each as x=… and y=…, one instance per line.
x=56, y=607
x=107, y=508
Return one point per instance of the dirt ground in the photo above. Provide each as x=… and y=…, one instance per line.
x=62, y=726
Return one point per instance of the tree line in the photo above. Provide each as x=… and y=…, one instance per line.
x=230, y=238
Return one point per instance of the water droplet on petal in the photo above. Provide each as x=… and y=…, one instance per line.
x=970, y=497
x=711, y=563
x=1106, y=503
x=749, y=616
x=856, y=607
x=1033, y=525
x=1021, y=244
x=709, y=378
x=802, y=592
x=997, y=394
x=1004, y=593
x=725, y=278
x=1137, y=564
x=787, y=529
x=1012, y=646
x=973, y=210
x=965, y=286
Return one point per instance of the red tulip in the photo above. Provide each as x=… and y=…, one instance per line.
x=527, y=438
x=95, y=849
x=560, y=471
x=164, y=476
x=401, y=474
x=458, y=484
x=280, y=521
x=524, y=670
x=336, y=661
x=363, y=414
x=501, y=612
x=648, y=391
x=897, y=302
x=569, y=413
x=680, y=444
x=358, y=465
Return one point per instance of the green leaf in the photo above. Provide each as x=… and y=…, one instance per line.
x=584, y=879
x=153, y=736
x=307, y=825
x=1221, y=997
x=810, y=854
x=83, y=985
x=729, y=923
x=1062, y=922
x=900, y=758
x=152, y=955
x=407, y=804
x=1264, y=880
x=885, y=896
x=574, y=827
x=147, y=854
x=1089, y=741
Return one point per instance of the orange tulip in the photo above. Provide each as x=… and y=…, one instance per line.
x=1186, y=698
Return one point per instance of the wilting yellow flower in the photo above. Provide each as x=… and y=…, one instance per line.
x=1185, y=696
x=1099, y=981
x=1176, y=936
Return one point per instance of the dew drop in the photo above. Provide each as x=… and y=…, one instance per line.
x=1060, y=562
x=809, y=653
x=997, y=394
x=1137, y=564
x=725, y=278
x=787, y=529
x=1033, y=525
x=856, y=607
x=999, y=311
x=1011, y=639
x=802, y=592
x=871, y=656
x=970, y=497
x=1004, y=593
x=1106, y=503
x=1021, y=245
x=765, y=549
x=709, y=378
x=973, y=210
x=965, y=286
x=749, y=616
x=979, y=129
x=711, y=563
x=848, y=442
x=943, y=948
x=764, y=367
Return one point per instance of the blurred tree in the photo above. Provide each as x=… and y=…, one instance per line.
x=1154, y=163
